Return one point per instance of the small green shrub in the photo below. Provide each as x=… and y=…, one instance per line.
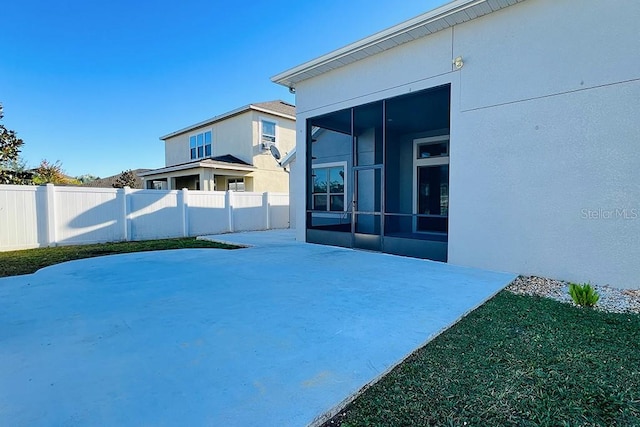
x=583, y=295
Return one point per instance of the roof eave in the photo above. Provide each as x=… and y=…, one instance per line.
x=273, y=113
x=195, y=165
x=208, y=121
x=225, y=116
x=291, y=77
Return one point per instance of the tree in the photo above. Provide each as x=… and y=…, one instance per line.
x=12, y=168
x=17, y=165
x=52, y=173
x=126, y=179
x=86, y=178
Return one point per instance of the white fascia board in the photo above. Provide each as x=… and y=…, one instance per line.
x=286, y=78
x=196, y=166
x=273, y=113
x=229, y=167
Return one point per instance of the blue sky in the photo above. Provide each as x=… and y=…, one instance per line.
x=95, y=84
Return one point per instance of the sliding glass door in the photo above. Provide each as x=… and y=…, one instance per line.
x=368, y=153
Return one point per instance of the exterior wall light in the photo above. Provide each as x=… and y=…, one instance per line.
x=458, y=63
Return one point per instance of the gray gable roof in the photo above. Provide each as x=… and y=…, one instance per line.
x=226, y=161
x=228, y=158
x=277, y=107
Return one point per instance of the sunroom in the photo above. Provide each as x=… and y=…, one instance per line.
x=378, y=175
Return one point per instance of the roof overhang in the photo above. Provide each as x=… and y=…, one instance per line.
x=196, y=165
x=446, y=16
x=225, y=116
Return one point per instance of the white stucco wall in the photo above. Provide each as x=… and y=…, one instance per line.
x=176, y=150
x=557, y=121
x=234, y=136
x=545, y=136
x=230, y=136
x=269, y=176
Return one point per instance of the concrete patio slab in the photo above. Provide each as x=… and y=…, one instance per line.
x=269, y=335
x=256, y=238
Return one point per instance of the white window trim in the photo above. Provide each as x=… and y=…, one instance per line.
x=346, y=187
x=203, y=131
x=429, y=161
x=270, y=120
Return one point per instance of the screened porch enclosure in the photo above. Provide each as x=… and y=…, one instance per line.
x=378, y=175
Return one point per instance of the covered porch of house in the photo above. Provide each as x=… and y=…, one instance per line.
x=220, y=173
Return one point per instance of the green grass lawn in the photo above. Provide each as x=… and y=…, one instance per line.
x=30, y=260
x=515, y=361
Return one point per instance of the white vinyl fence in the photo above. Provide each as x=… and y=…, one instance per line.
x=46, y=215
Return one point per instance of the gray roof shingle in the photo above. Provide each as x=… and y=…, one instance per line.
x=277, y=106
x=110, y=180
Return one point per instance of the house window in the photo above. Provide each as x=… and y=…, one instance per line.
x=235, y=184
x=437, y=148
x=159, y=184
x=268, y=132
x=431, y=184
x=329, y=185
x=200, y=145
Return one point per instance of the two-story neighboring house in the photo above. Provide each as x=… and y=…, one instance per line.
x=231, y=151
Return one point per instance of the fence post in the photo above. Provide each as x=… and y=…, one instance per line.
x=229, y=203
x=51, y=214
x=127, y=212
x=183, y=205
x=266, y=202
x=122, y=194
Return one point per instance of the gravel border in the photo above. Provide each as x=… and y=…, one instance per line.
x=612, y=300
